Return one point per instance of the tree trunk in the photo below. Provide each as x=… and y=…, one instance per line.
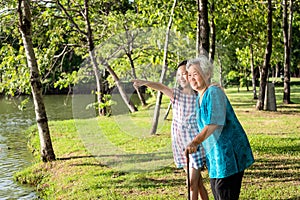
x=129, y=55
x=253, y=73
x=277, y=70
x=99, y=81
x=163, y=73
x=287, y=29
x=168, y=111
x=212, y=49
x=247, y=82
x=89, y=36
x=25, y=26
x=270, y=99
x=221, y=69
x=138, y=89
x=266, y=65
x=202, y=28
x=122, y=91
x=109, y=69
x=91, y=46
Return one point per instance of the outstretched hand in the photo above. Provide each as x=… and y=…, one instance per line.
x=138, y=83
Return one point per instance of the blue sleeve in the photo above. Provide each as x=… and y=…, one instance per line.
x=216, y=106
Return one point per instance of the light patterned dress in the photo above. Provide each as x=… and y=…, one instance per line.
x=184, y=130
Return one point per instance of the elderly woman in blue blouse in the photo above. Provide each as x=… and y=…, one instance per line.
x=227, y=148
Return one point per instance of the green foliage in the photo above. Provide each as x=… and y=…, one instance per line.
x=67, y=80
x=105, y=104
x=233, y=78
x=13, y=63
x=61, y=48
x=243, y=23
x=23, y=103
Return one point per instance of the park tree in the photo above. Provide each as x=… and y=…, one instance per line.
x=267, y=58
x=12, y=58
x=127, y=44
x=253, y=72
x=212, y=33
x=129, y=53
x=163, y=73
x=25, y=26
x=287, y=38
x=238, y=23
x=295, y=45
x=83, y=11
x=202, y=43
x=49, y=35
x=86, y=31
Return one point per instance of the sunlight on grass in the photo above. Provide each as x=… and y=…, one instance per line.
x=93, y=151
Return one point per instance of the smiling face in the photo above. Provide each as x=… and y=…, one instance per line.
x=182, y=77
x=196, y=79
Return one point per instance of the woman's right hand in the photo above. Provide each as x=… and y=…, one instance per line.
x=191, y=147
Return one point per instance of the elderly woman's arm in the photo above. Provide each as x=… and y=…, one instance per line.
x=205, y=133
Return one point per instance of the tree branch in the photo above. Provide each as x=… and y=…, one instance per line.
x=70, y=18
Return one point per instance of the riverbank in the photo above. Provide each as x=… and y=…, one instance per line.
x=274, y=137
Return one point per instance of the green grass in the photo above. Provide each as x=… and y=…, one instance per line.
x=274, y=137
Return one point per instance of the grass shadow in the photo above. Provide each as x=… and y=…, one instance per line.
x=135, y=162
x=275, y=170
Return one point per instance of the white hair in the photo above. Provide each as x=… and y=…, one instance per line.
x=204, y=66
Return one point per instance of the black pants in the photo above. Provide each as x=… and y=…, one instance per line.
x=227, y=188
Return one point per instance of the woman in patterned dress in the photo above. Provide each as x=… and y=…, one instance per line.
x=184, y=127
x=227, y=148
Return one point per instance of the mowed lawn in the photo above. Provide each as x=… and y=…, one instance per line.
x=116, y=157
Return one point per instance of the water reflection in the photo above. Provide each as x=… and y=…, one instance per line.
x=14, y=154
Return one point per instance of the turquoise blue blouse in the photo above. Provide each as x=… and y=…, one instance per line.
x=227, y=150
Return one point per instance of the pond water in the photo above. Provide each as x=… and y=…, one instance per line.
x=14, y=154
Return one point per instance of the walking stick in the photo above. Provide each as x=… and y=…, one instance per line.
x=188, y=173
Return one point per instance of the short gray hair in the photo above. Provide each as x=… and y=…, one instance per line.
x=204, y=66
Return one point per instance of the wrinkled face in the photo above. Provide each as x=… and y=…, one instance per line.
x=181, y=77
x=195, y=78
